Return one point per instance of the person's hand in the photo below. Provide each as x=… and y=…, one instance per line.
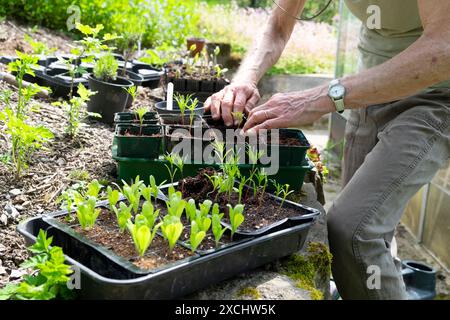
x=289, y=110
x=236, y=97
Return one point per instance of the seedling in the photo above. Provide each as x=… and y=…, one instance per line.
x=105, y=68
x=155, y=188
x=172, y=229
x=146, y=192
x=132, y=192
x=203, y=221
x=75, y=111
x=236, y=217
x=176, y=205
x=191, y=210
x=217, y=228
x=123, y=214
x=140, y=113
x=216, y=182
x=185, y=102
x=241, y=188
x=238, y=116
x=171, y=167
x=197, y=235
x=262, y=180
x=87, y=214
x=113, y=197
x=254, y=155
x=149, y=213
x=281, y=191
x=141, y=234
x=191, y=109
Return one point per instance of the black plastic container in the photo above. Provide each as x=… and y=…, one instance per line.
x=305, y=215
x=59, y=81
x=139, y=142
x=106, y=280
x=110, y=97
x=151, y=76
x=291, y=155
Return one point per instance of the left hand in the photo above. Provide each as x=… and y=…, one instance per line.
x=290, y=110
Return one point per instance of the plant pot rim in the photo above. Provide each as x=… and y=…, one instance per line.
x=128, y=83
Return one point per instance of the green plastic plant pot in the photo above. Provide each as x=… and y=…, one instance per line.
x=133, y=142
x=291, y=175
x=291, y=155
x=150, y=117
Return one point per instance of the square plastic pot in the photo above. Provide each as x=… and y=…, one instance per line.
x=135, y=142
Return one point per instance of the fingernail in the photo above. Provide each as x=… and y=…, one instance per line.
x=228, y=123
x=250, y=132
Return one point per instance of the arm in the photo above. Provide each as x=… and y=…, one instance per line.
x=242, y=94
x=424, y=63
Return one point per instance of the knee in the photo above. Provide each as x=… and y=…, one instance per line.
x=340, y=232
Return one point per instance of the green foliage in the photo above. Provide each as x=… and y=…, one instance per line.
x=49, y=277
x=132, y=192
x=123, y=214
x=105, y=68
x=141, y=233
x=281, y=191
x=113, y=197
x=217, y=228
x=75, y=111
x=197, y=235
x=155, y=187
x=163, y=21
x=87, y=214
x=149, y=212
x=185, y=102
x=176, y=205
x=171, y=229
x=236, y=217
x=25, y=139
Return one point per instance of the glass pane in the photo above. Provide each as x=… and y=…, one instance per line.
x=411, y=217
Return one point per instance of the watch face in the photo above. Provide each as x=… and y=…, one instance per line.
x=337, y=91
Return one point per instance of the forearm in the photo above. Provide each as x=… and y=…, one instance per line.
x=423, y=64
x=270, y=45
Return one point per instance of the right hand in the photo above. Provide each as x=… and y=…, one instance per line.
x=236, y=97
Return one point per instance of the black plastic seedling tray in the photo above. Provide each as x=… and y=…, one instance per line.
x=101, y=279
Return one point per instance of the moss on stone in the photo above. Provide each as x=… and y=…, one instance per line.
x=249, y=292
x=304, y=269
x=442, y=296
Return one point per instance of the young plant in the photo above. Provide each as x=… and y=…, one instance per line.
x=141, y=113
x=155, y=188
x=191, y=210
x=149, y=212
x=105, y=68
x=131, y=30
x=254, y=155
x=171, y=229
x=171, y=167
x=262, y=180
x=123, y=214
x=202, y=219
x=242, y=183
x=176, y=205
x=197, y=235
x=87, y=214
x=132, y=192
x=141, y=234
x=217, y=228
x=113, y=197
x=75, y=111
x=67, y=199
x=25, y=139
x=185, y=102
x=281, y=191
x=49, y=276
x=238, y=117
x=236, y=217
x=191, y=109
x=216, y=182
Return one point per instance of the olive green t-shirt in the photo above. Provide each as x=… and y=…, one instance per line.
x=400, y=26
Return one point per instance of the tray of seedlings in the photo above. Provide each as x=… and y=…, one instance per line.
x=199, y=74
x=153, y=241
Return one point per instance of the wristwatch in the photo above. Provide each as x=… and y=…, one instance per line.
x=336, y=91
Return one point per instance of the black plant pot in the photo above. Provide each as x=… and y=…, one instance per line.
x=110, y=97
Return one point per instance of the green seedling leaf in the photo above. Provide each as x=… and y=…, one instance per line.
x=196, y=237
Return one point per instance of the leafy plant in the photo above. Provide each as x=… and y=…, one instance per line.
x=262, y=180
x=171, y=229
x=197, y=235
x=242, y=183
x=191, y=210
x=25, y=139
x=132, y=192
x=281, y=191
x=254, y=155
x=86, y=212
x=217, y=228
x=171, y=167
x=141, y=234
x=155, y=187
x=105, y=68
x=238, y=116
x=75, y=111
x=113, y=197
x=123, y=214
x=191, y=107
x=49, y=277
x=39, y=47
x=22, y=66
x=176, y=205
x=236, y=217
x=149, y=212
x=216, y=182
x=185, y=102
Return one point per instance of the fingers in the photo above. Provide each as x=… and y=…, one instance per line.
x=258, y=118
x=207, y=104
x=227, y=107
x=275, y=123
x=251, y=103
x=215, y=104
